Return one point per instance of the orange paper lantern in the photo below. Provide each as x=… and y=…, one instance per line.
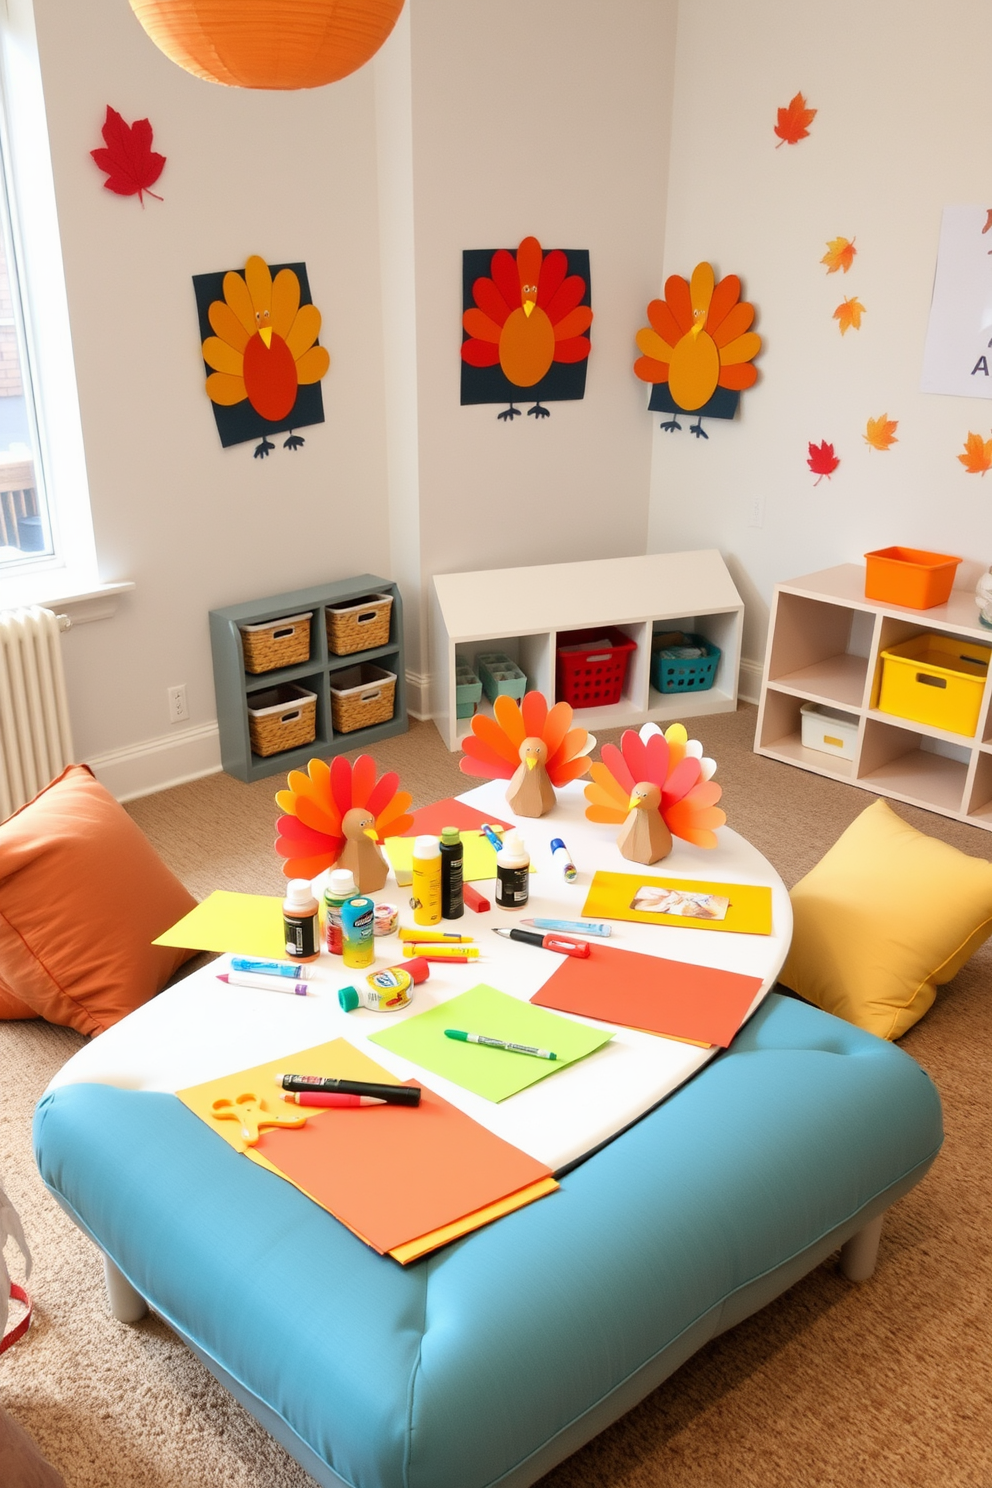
x=268, y=43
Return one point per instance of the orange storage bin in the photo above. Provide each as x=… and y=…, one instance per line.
x=909, y=576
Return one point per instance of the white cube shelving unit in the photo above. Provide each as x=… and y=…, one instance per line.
x=522, y=611
x=824, y=645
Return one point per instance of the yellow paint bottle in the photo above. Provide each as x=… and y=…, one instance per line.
x=426, y=882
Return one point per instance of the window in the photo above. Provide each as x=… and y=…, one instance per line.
x=25, y=530
x=46, y=532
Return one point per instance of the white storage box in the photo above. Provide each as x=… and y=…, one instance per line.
x=828, y=730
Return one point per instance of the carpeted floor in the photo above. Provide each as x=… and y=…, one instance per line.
x=833, y=1386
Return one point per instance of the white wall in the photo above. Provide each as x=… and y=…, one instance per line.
x=288, y=176
x=551, y=120
x=461, y=134
x=903, y=128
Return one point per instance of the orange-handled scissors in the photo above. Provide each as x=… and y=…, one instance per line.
x=252, y=1114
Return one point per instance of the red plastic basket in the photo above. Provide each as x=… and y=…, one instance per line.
x=591, y=666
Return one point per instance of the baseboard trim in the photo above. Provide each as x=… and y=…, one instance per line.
x=418, y=695
x=749, y=680
x=157, y=764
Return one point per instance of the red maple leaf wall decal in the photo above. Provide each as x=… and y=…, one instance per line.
x=822, y=460
x=131, y=165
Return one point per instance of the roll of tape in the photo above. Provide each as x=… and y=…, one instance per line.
x=386, y=919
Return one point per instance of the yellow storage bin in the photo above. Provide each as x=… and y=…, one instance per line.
x=935, y=679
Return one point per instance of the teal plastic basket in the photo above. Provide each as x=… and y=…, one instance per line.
x=685, y=673
x=501, y=677
x=468, y=692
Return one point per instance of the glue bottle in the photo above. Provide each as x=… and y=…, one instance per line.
x=301, y=921
x=452, y=862
x=512, y=872
x=387, y=991
x=340, y=886
x=358, y=931
x=426, y=898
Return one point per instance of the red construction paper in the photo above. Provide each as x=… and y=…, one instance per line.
x=697, y=1003
x=430, y=820
x=397, y=1172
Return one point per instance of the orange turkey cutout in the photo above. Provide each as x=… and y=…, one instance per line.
x=532, y=746
x=658, y=785
x=698, y=350
x=337, y=814
x=528, y=316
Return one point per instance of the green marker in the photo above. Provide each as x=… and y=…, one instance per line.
x=494, y=1043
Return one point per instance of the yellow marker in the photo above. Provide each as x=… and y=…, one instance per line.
x=424, y=936
x=440, y=952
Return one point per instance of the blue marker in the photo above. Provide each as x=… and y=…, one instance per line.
x=291, y=969
x=492, y=837
x=559, y=854
x=583, y=927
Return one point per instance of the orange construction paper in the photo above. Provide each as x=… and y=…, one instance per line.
x=394, y=1174
x=430, y=820
x=698, y=1004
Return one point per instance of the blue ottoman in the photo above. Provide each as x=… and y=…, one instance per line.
x=494, y=1358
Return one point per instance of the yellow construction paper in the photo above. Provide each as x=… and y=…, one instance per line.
x=335, y=1060
x=248, y=924
x=424, y=1243
x=611, y=895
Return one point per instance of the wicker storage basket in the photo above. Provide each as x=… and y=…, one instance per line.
x=281, y=718
x=360, y=696
x=277, y=643
x=358, y=624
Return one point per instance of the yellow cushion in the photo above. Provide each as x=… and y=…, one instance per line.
x=883, y=920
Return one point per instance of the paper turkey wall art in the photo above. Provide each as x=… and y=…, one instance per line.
x=258, y=329
x=525, y=323
x=699, y=349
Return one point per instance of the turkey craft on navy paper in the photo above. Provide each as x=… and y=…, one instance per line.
x=259, y=342
x=698, y=349
x=525, y=320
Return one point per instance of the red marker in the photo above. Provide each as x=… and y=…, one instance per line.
x=328, y=1098
x=563, y=944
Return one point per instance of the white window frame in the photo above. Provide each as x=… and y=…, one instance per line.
x=49, y=371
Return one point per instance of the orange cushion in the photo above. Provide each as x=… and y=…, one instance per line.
x=82, y=896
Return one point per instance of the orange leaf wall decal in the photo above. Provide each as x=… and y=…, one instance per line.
x=849, y=314
x=792, y=122
x=881, y=432
x=839, y=255
x=977, y=457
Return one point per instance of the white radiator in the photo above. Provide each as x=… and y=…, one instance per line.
x=35, y=742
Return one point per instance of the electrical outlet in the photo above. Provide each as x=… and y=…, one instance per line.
x=756, y=517
x=178, y=706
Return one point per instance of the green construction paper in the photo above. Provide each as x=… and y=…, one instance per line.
x=492, y=1073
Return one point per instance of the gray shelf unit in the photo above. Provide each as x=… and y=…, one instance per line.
x=234, y=686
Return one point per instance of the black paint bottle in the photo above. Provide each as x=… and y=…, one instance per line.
x=452, y=865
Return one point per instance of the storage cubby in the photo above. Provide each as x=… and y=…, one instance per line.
x=234, y=686
x=824, y=645
x=524, y=611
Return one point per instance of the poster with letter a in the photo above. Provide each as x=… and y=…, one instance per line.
x=958, y=354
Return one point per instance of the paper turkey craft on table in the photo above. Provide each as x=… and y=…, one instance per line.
x=698, y=349
x=532, y=746
x=657, y=785
x=525, y=322
x=336, y=815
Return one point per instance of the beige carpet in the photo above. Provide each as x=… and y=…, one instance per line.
x=833, y=1386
